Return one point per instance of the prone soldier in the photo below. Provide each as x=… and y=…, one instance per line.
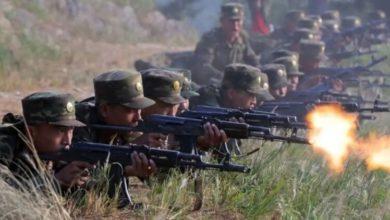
x=46, y=126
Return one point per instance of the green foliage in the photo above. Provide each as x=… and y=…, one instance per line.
x=32, y=7
x=6, y=58
x=34, y=47
x=140, y=6
x=295, y=184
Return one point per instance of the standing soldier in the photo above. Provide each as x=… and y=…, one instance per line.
x=222, y=46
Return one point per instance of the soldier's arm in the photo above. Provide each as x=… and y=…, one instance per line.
x=7, y=145
x=250, y=57
x=203, y=58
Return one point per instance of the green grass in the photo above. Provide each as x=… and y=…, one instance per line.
x=294, y=184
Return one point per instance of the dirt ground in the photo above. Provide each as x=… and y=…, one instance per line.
x=94, y=59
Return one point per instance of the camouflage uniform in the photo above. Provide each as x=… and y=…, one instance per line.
x=237, y=76
x=213, y=53
x=311, y=51
x=284, y=53
x=290, y=64
x=240, y=77
x=333, y=15
x=15, y=147
x=276, y=74
x=112, y=88
x=291, y=17
x=115, y=87
x=163, y=85
x=350, y=22
x=189, y=88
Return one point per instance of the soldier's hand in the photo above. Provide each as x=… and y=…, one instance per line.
x=313, y=81
x=212, y=137
x=338, y=85
x=157, y=140
x=141, y=166
x=74, y=174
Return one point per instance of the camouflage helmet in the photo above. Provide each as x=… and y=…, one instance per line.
x=189, y=88
x=350, y=22
x=50, y=107
x=247, y=78
x=284, y=53
x=208, y=95
x=308, y=24
x=295, y=15
x=276, y=74
x=122, y=88
x=311, y=49
x=232, y=11
x=291, y=65
x=331, y=26
x=316, y=18
x=377, y=15
x=303, y=34
x=331, y=15
x=163, y=85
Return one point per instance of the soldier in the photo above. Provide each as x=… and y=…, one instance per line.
x=277, y=79
x=312, y=25
x=300, y=34
x=311, y=53
x=119, y=99
x=311, y=56
x=290, y=24
x=165, y=88
x=331, y=15
x=308, y=23
x=47, y=126
x=329, y=29
x=283, y=53
x=222, y=46
x=242, y=87
x=293, y=73
x=376, y=16
x=188, y=89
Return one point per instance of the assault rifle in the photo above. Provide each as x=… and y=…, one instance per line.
x=251, y=117
x=342, y=97
x=345, y=73
x=120, y=156
x=94, y=153
x=187, y=130
x=354, y=31
x=350, y=54
x=300, y=109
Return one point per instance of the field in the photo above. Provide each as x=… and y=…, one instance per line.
x=286, y=181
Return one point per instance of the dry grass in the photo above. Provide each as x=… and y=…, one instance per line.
x=288, y=182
